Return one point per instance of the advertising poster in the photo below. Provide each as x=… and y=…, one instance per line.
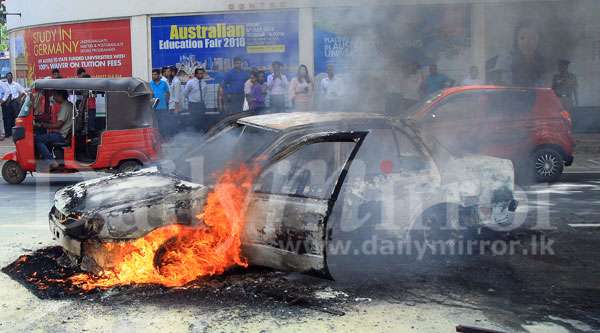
x=102, y=48
x=212, y=41
x=19, y=56
x=375, y=37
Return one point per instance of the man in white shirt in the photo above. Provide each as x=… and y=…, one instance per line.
x=332, y=89
x=195, y=92
x=473, y=78
x=10, y=103
x=176, y=97
x=277, y=86
x=4, y=90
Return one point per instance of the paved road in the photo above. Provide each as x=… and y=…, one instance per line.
x=512, y=293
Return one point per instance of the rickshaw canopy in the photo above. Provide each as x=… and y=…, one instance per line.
x=132, y=86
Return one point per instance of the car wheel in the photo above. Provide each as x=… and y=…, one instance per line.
x=13, y=173
x=129, y=166
x=548, y=165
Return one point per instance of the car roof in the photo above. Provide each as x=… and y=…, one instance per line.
x=285, y=121
x=132, y=86
x=456, y=89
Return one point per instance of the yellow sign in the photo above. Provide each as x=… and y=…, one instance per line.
x=278, y=48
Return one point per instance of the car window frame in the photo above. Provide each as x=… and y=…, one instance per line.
x=432, y=115
x=304, y=140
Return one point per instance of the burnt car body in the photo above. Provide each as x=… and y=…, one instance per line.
x=324, y=177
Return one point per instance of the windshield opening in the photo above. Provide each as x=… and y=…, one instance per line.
x=232, y=145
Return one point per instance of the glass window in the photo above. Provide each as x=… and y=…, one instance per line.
x=311, y=171
x=233, y=144
x=510, y=102
x=387, y=151
x=459, y=107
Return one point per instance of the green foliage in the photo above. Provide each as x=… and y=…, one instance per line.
x=3, y=38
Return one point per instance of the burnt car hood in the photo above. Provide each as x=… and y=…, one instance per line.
x=133, y=204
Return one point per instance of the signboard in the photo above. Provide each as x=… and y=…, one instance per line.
x=212, y=41
x=411, y=34
x=102, y=48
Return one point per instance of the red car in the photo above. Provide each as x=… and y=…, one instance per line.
x=122, y=138
x=526, y=125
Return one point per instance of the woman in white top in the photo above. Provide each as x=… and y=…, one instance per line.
x=301, y=90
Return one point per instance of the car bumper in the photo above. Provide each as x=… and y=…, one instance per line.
x=58, y=229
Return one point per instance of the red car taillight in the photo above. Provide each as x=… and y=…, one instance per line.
x=567, y=118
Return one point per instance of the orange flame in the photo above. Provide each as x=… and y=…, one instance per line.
x=175, y=255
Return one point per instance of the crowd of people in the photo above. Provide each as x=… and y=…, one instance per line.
x=256, y=91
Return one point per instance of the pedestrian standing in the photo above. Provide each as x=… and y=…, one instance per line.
x=4, y=90
x=233, y=87
x=160, y=90
x=10, y=103
x=473, y=78
x=277, y=88
x=255, y=93
x=301, y=90
x=434, y=82
x=164, y=73
x=331, y=90
x=175, y=96
x=195, y=92
x=564, y=85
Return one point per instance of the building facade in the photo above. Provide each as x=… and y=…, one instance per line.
x=371, y=42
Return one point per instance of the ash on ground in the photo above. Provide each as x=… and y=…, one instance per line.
x=42, y=274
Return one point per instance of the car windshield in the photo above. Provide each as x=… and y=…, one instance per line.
x=234, y=144
x=411, y=111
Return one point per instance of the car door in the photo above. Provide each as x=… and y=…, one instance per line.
x=288, y=209
x=509, y=123
x=391, y=181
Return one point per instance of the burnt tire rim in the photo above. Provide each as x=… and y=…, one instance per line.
x=546, y=164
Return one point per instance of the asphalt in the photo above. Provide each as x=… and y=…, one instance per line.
x=512, y=293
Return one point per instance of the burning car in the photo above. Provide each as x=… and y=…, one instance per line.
x=274, y=190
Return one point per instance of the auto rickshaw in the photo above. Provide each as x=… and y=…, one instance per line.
x=119, y=136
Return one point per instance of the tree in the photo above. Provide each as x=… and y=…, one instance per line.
x=3, y=38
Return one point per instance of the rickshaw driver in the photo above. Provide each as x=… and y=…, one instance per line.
x=63, y=124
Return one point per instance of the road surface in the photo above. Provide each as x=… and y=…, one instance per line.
x=513, y=293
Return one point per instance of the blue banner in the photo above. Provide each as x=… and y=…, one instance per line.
x=213, y=40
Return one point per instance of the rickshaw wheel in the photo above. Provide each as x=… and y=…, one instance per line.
x=129, y=166
x=13, y=173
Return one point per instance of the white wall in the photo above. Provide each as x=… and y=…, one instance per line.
x=38, y=12
x=140, y=47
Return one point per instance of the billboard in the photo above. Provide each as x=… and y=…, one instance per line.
x=213, y=40
x=409, y=33
x=102, y=48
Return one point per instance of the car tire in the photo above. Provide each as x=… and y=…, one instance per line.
x=13, y=173
x=548, y=165
x=129, y=166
